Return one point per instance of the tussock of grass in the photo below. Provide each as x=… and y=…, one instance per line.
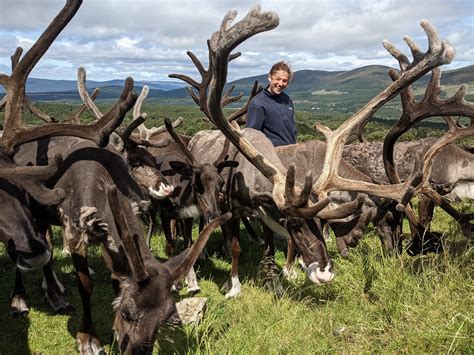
x=376, y=304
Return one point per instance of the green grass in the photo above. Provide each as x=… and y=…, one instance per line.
x=375, y=304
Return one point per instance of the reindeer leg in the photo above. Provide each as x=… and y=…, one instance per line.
x=86, y=338
x=191, y=278
x=268, y=267
x=18, y=306
x=170, y=247
x=54, y=290
x=289, y=270
x=152, y=224
x=254, y=238
x=231, y=230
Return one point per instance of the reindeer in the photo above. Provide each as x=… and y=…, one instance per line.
x=247, y=187
x=25, y=245
x=197, y=185
x=452, y=173
x=100, y=205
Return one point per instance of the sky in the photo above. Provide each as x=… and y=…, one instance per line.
x=148, y=39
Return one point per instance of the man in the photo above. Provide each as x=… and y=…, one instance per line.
x=272, y=111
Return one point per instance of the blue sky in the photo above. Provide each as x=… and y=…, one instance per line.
x=148, y=39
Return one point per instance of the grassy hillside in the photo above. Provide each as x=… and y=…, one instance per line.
x=375, y=304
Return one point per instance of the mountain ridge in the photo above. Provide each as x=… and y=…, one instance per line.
x=306, y=84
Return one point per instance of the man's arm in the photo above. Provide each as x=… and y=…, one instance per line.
x=255, y=116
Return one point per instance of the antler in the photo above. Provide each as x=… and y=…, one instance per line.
x=415, y=111
x=143, y=138
x=14, y=131
x=430, y=105
x=32, y=178
x=129, y=239
x=76, y=118
x=182, y=146
x=439, y=53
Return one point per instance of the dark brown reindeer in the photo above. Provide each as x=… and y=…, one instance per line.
x=16, y=133
x=196, y=187
x=100, y=205
x=283, y=194
x=141, y=163
x=25, y=244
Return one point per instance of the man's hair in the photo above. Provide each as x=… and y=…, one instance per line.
x=282, y=66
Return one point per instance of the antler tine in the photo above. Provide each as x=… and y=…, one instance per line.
x=76, y=118
x=38, y=113
x=86, y=99
x=145, y=133
x=243, y=110
x=15, y=59
x=182, y=146
x=227, y=99
x=158, y=130
x=127, y=138
x=3, y=102
x=137, y=109
x=201, y=87
x=127, y=132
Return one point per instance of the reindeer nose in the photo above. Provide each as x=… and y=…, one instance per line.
x=318, y=275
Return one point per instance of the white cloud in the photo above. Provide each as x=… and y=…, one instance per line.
x=148, y=39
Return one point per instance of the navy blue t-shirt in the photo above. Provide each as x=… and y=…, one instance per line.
x=274, y=115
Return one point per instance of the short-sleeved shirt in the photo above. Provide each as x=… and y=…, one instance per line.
x=274, y=115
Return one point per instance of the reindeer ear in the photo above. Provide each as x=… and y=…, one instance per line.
x=116, y=142
x=227, y=164
x=180, y=264
x=181, y=168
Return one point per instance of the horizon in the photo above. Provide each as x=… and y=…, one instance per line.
x=113, y=40
x=172, y=80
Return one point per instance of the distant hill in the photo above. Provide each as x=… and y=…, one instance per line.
x=34, y=85
x=309, y=88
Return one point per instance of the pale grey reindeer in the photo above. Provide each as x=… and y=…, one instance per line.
x=452, y=174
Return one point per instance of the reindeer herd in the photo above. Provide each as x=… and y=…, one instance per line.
x=101, y=181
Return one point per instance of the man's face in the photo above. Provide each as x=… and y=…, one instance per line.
x=278, y=82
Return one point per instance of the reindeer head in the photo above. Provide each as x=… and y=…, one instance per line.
x=145, y=301
x=141, y=308
x=205, y=184
x=26, y=248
